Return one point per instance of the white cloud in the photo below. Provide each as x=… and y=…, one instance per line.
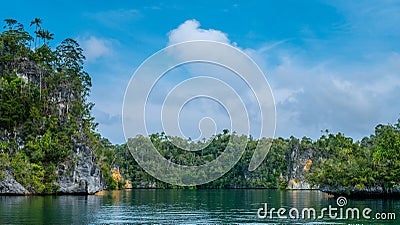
x=331, y=96
x=190, y=30
x=201, y=108
x=318, y=94
x=285, y=95
x=95, y=47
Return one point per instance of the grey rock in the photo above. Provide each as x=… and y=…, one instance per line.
x=146, y=185
x=374, y=191
x=80, y=175
x=9, y=186
x=299, y=165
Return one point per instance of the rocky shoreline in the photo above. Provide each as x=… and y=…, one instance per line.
x=367, y=192
x=82, y=176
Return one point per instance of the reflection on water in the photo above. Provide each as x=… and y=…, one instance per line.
x=48, y=209
x=176, y=207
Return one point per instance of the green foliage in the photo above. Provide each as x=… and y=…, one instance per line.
x=30, y=175
x=372, y=162
x=110, y=182
x=268, y=175
x=337, y=161
x=44, y=110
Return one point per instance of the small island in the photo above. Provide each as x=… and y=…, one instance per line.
x=49, y=143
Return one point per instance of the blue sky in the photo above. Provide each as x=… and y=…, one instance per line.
x=331, y=64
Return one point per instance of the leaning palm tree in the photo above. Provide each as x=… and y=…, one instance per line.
x=36, y=22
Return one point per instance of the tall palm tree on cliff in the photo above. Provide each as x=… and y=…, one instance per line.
x=45, y=35
x=36, y=22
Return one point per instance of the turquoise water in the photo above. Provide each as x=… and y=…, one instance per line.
x=188, y=207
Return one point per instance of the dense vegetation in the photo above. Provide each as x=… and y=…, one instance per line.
x=45, y=115
x=44, y=110
x=338, y=161
x=270, y=174
x=372, y=162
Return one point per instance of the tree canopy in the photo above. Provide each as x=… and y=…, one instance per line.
x=44, y=111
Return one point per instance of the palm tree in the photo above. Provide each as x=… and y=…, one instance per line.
x=36, y=22
x=45, y=35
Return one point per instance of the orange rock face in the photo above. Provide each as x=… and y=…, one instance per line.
x=308, y=165
x=116, y=175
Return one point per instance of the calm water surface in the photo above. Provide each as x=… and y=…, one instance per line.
x=185, y=207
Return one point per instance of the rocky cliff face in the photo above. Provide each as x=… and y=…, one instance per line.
x=375, y=191
x=299, y=166
x=9, y=186
x=78, y=176
x=82, y=176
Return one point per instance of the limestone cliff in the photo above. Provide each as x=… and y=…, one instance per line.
x=83, y=176
x=9, y=186
x=299, y=165
x=78, y=176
